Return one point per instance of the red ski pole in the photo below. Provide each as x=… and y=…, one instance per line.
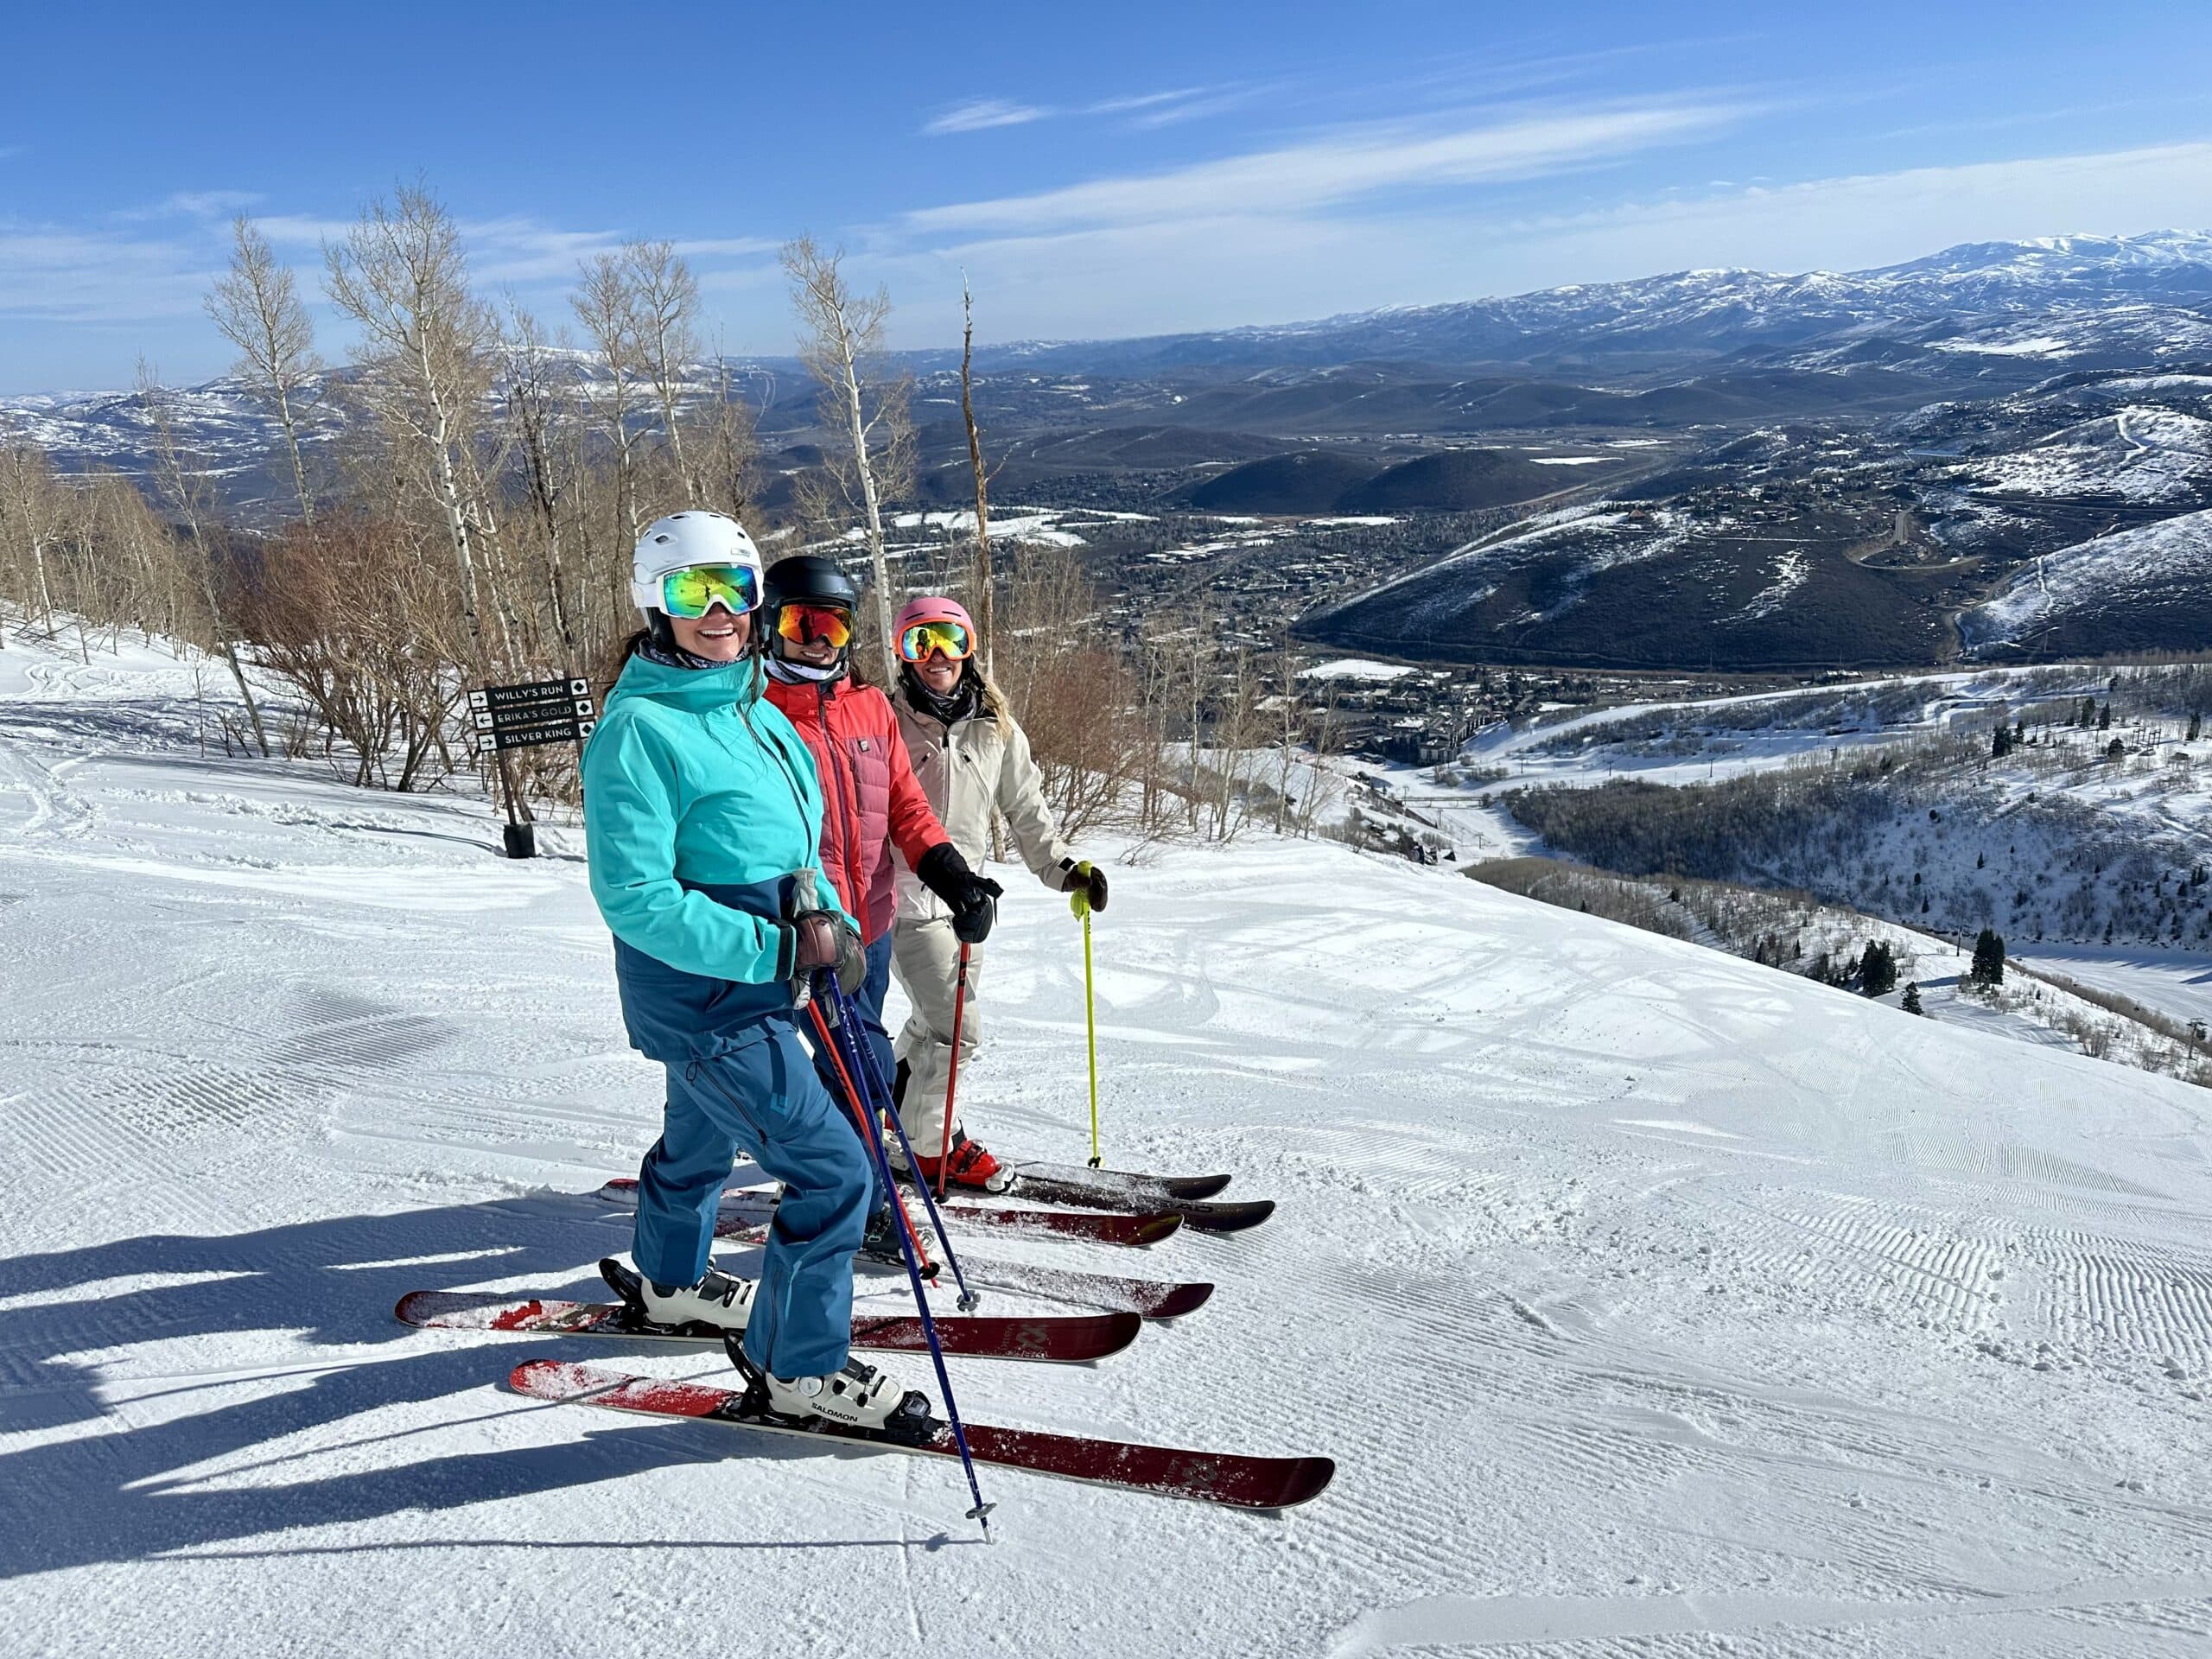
x=952, y=1077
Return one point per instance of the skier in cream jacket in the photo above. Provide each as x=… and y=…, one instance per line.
x=972, y=761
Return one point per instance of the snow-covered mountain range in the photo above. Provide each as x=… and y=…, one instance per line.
x=2005, y=312
x=2086, y=294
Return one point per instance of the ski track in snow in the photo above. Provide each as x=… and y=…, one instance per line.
x=1651, y=1302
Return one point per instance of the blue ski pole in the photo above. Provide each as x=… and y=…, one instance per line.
x=840, y=1027
x=879, y=1101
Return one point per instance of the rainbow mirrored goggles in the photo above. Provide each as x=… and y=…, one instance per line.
x=927, y=640
x=804, y=624
x=691, y=593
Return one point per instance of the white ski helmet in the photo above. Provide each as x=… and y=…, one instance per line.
x=685, y=539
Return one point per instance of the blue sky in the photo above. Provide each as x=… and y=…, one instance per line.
x=1096, y=171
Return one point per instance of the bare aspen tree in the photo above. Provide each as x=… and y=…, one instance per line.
x=733, y=446
x=667, y=312
x=605, y=303
x=257, y=306
x=1323, y=784
x=186, y=489
x=1290, y=727
x=535, y=401
x=400, y=274
x=30, y=509
x=983, y=583
x=841, y=342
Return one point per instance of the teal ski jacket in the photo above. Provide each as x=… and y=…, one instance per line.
x=703, y=821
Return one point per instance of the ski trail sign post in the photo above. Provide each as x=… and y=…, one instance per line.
x=503, y=717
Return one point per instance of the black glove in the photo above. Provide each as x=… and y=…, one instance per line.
x=1086, y=881
x=972, y=898
x=825, y=939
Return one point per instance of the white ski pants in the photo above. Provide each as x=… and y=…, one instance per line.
x=925, y=957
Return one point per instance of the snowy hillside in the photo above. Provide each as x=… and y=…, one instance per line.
x=1650, y=1300
x=2138, y=576
x=2137, y=454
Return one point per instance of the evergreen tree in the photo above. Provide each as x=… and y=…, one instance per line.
x=1988, y=959
x=2104, y=718
x=1877, y=969
x=2196, y=726
x=1911, y=1003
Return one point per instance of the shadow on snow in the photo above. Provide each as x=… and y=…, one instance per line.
x=118, y=1495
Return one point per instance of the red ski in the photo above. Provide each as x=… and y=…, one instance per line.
x=742, y=1209
x=1240, y=1482
x=1066, y=1339
x=1155, y=1299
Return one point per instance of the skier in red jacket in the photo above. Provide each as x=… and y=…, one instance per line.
x=871, y=800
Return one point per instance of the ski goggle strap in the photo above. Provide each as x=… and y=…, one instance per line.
x=926, y=639
x=690, y=592
x=803, y=624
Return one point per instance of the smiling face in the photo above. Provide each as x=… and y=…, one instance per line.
x=718, y=636
x=939, y=672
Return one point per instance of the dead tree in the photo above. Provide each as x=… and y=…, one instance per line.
x=984, y=585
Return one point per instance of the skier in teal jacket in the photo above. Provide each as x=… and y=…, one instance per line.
x=702, y=817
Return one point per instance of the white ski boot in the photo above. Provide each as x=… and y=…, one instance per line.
x=860, y=1397
x=718, y=1300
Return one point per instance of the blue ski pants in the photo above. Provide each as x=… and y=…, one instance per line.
x=761, y=1096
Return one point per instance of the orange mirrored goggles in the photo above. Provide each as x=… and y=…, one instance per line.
x=804, y=624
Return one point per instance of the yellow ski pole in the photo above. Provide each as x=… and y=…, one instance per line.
x=1091, y=1031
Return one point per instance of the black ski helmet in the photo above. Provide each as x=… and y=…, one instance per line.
x=809, y=578
x=804, y=579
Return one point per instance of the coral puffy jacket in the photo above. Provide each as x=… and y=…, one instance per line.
x=871, y=799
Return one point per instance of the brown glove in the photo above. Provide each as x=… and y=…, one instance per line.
x=825, y=939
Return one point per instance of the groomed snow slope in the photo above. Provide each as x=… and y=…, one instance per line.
x=1652, y=1302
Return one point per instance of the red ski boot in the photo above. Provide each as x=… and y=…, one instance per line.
x=970, y=1166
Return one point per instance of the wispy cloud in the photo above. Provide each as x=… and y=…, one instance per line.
x=158, y=261
x=980, y=114
x=726, y=247
x=190, y=204
x=1857, y=220
x=9, y=152
x=1142, y=101
x=55, y=274
x=1161, y=108
x=1354, y=162
x=1197, y=105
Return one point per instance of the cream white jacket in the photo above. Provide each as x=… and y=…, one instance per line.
x=968, y=769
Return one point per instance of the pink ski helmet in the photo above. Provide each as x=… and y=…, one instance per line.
x=931, y=608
